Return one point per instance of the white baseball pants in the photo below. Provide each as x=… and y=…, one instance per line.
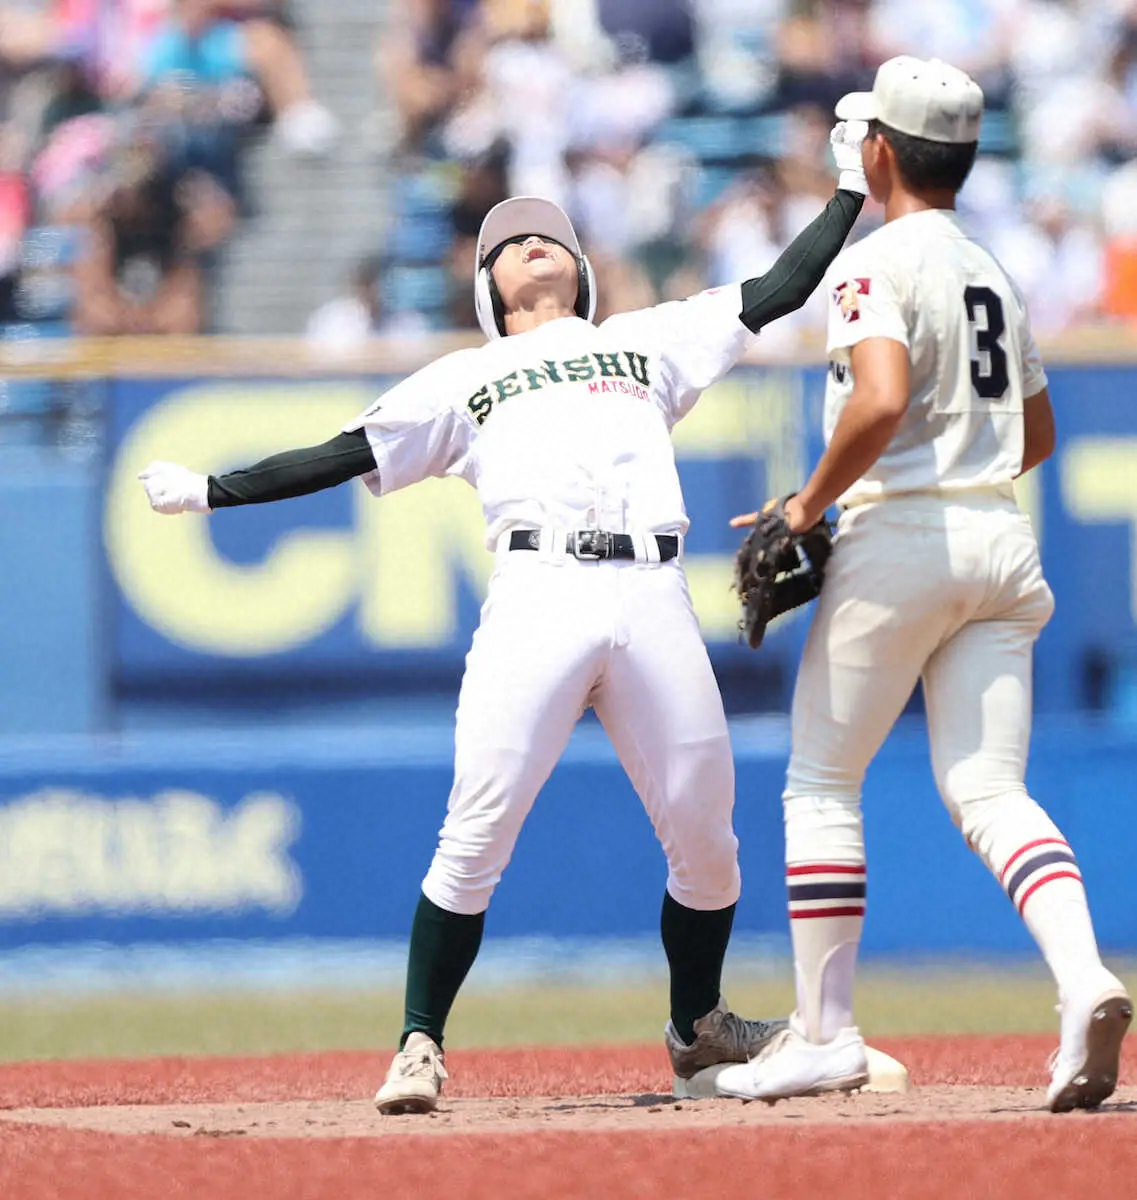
x=557, y=635
x=918, y=587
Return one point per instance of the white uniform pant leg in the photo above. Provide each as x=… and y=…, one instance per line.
x=534, y=659
x=876, y=621
x=977, y=688
x=660, y=704
x=885, y=604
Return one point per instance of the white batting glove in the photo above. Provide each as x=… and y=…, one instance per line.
x=175, y=489
x=845, y=140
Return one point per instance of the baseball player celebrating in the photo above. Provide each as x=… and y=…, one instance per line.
x=563, y=428
x=936, y=400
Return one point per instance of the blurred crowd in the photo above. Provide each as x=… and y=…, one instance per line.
x=122, y=128
x=688, y=138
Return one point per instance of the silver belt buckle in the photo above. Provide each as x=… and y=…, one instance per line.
x=591, y=544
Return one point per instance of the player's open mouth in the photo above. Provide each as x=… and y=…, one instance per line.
x=532, y=252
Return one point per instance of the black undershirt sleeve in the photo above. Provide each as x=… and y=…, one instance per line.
x=295, y=472
x=789, y=283
x=784, y=288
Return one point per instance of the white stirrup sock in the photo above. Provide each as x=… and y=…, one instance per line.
x=825, y=882
x=1035, y=866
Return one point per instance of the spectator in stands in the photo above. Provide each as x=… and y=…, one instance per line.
x=26, y=35
x=426, y=62
x=15, y=212
x=1119, y=221
x=523, y=97
x=199, y=51
x=630, y=194
x=1070, y=93
x=737, y=49
x=825, y=49
x=974, y=35
x=622, y=285
x=662, y=31
x=742, y=234
x=148, y=247
x=1057, y=259
x=345, y=323
x=481, y=185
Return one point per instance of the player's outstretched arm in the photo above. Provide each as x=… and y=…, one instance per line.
x=176, y=489
x=802, y=265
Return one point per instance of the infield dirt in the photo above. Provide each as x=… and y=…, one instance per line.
x=582, y=1122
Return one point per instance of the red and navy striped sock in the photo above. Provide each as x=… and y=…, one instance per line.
x=818, y=890
x=827, y=911
x=1044, y=883
x=1035, y=864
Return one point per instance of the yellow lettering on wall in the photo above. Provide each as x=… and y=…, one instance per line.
x=402, y=561
x=410, y=543
x=1028, y=494
x=756, y=415
x=715, y=601
x=1099, y=483
x=168, y=568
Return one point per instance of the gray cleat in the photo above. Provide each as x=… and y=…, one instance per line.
x=721, y=1038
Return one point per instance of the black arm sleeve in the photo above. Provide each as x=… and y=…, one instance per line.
x=295, y=472
x=788, y=284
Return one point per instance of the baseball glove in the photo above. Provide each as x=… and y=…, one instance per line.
x=776, y=569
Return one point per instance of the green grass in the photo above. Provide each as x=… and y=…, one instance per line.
x=889, y=1002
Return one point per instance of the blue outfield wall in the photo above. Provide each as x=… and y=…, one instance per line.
x=159, y=838
x=340, y=591
x=112, y=618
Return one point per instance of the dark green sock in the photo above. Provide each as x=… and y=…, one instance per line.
x=443, y=948
x=695, y=943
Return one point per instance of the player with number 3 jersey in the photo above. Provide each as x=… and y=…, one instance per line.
x=936, y=400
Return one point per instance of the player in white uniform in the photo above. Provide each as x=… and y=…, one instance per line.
x=936, y=401
x=563, y=428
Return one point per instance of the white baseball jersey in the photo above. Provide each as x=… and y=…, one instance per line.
x=566, y=425
x=921, y=281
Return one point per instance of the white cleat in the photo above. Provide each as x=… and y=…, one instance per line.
x=792, y=1066
x=414, y=1080
x=1085, y=1065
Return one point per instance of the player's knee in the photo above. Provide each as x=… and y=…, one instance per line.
x=714, y=886
x=826, y=826
x=807, y=779
x=979, y=815
x=702, y=862
x=459, y=887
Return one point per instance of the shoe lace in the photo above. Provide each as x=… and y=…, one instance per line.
x=746, y=1035
x=421, y=1064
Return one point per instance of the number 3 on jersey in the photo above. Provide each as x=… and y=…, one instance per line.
x=989, y=366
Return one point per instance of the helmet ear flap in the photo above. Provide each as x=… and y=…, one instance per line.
x=586, y=289
x=491, y=312
x=487, y=305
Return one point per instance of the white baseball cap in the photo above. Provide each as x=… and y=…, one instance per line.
x=923, y=98
x=522, y=215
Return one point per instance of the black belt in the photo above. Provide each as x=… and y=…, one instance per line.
x=596, y=543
